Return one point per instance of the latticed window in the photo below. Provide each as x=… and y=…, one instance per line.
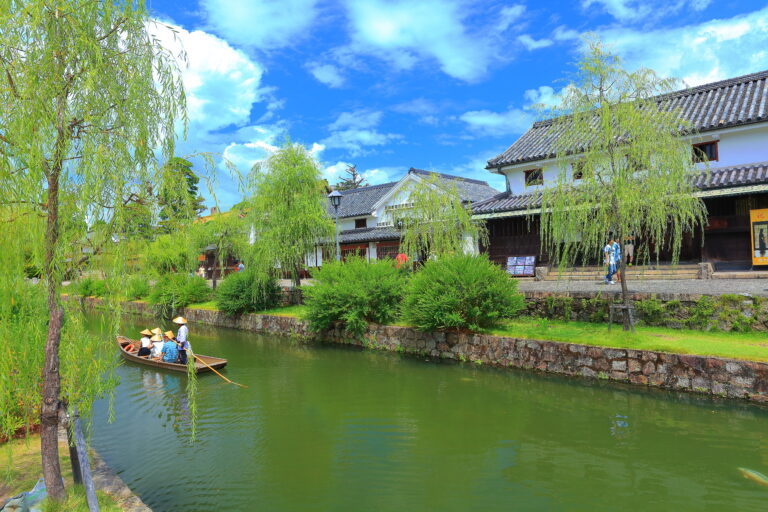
x=387, y=251
x=705, y=152
x=533, y=177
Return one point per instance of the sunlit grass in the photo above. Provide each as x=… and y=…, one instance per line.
x=209, y=306
x=751, y=346
x=21, y=470
x=296, y=311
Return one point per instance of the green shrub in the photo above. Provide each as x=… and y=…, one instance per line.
x=354, y=292
x=652, y=311
x=90, y=287
x=174, y=291
x=701, y=314
x=460, y=292
x=243, y=292
x=136, y=288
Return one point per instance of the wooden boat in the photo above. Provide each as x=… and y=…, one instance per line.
x=214, y=362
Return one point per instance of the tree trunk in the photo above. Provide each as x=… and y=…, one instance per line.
x=295, y=295
x=49, y=411
x=213, y=273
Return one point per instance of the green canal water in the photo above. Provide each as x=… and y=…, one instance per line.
x=328, y=428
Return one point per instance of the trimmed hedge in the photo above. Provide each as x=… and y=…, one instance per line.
x=461, y=292
x=174, y=291
x=247, y=291
x=353, y=293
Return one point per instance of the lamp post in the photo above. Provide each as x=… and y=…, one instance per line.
x=335, y=198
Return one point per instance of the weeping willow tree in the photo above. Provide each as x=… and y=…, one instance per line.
x=227, y=232
x=438, y=222
x=624, y=169
x=89, y=98
x=287, y=211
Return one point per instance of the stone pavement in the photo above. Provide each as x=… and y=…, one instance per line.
x=676, y=287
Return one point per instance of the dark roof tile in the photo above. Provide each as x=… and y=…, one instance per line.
x=721, y=178
x=733, y=102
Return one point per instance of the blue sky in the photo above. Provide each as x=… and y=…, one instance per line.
x=438, y=85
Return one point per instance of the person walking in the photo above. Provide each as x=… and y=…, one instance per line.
x=181, y=338
x=610, y=261
x=629, y=248
x=616, y=246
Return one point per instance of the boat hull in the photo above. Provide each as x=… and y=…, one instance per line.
x=216, y=363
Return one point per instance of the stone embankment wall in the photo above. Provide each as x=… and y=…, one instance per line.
x=674, y=310
x=699, y=374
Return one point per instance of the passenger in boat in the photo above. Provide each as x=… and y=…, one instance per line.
x=157, y=346
x=181, y=338
x=146, y=343
x=169, y=351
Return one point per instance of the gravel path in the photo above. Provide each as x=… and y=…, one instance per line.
x=693, y=286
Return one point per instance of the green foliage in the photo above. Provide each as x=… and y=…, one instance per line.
x=288, y=210
x=460, y=292
x=247, y=291
x=90, y=287
x=228, y=232
x=438, y=223
x=137, y=288
x=636, y=169
x=559, y=307
x=174, y=291
x=701, y=314
x=652, y=311
x=168, y=254
x=353, y=293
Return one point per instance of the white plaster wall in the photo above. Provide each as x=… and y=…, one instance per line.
x=345, y=224
x=742, y=147
x=372, y=251
x=735, y=147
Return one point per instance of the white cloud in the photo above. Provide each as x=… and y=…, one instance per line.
x=533, y=44
x=260, y=23
x=498, y=124
x=563, y=33
x=404, y=33
x=544, y=96
x=699, y=53
x=334, y=173
x=221, y=83
x=327, y=74
x=508, y=15
x=354, y=131
x=644, y=10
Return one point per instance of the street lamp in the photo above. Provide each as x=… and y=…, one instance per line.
x=335, y=198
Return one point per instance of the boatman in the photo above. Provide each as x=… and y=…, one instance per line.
x=181, y=338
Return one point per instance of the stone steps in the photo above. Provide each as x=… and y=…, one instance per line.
x=593, y=273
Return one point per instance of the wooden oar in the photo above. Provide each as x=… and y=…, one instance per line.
x=217, y=373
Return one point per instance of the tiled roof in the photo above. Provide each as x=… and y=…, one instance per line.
x=733, y=102
x=368, y=235
x=359, y=202
x=721, y=178
x=735, y=176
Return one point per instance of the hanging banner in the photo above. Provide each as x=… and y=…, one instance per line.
x=758, y=220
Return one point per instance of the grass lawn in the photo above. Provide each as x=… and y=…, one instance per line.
x=751, y=346
x=21, y=469
x=210, y=306
x=296, y=311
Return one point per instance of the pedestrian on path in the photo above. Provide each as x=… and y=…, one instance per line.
x=610, y=261
x=616, y=246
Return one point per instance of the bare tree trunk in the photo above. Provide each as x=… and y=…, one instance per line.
x=213, y=274
x=49, y=411
x=295, y=296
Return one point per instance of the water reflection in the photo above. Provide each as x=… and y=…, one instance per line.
x=332, y=428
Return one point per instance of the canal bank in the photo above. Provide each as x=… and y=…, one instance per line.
x=707, y=375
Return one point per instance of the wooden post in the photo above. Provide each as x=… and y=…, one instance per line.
x=77, y=474
x=85, y=466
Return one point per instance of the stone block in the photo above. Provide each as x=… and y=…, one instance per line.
x=733, y=367
x=649, y=368
x=618, y=375
x=638, y=379
x=612, y=353
x=577, y=349
x=595, y=352
x=587, y=372
x=634, y=366
x=619, y=365
x=695, y=362
x=682, y=383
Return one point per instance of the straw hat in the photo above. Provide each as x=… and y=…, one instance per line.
x=146, y=332
x=169, y=334
x=156, y=337
x=179, y=320
x=157, y=330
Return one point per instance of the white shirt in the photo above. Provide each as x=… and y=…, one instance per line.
x=181, y=336
x=145, y=342
x=608, y=249
x=157, y=348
